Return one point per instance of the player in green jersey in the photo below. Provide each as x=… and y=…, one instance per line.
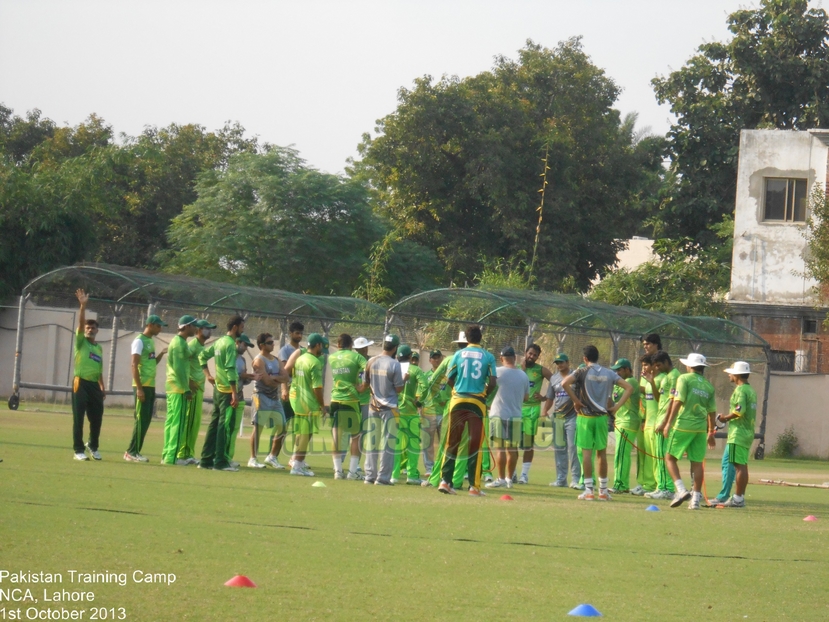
x=434, y=403
x=664, y=392
x=225, y=396
x=361, y=345
x=347, y=370
x=179, y=389
x=626, y=427
x=306, y=399
x=740, y=419
x=144, y=362
x=645, y=473
x=243, y=342
x=88, y=393
x=690, y=416
x=192, y=422
x=408, y=435
x=531, y=409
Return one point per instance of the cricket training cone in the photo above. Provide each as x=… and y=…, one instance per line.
x=240, y=580
x=506, y=498
x=810, y=518
x=652, y=508
x=318, y=485
x=585, y=611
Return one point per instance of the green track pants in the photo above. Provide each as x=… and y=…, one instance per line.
x=174, y=426
x=192, y=424
x=622, y=460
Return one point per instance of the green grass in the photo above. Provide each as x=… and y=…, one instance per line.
x=351, y=551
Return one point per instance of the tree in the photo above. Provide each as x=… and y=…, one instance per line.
x=457, y=166
x=774, y=73
x=687, y=278
x=271, y=221
x=817, y=243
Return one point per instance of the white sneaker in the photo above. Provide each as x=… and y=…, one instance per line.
x=414, y=482
x=638, y=491
x=523, y=479
x=393, y=480
x=233, y=463
x=80, y=456
x=181, y=462
x=498, y=483
x=587, y=495
x=576, y=486
x=300, y=468
x=339, y=475
x=508, y=483
x=141, y=458
x=230, y=468
x=192, y=460
x=693, y=504
x=733, y=503
x=94, y=454
x=679, y=498
x=272, y=461
x=488, y=478
x=129, y=457
x=559, y=484
x=356, y=477
x=253, y=463
x=308, y=471
x=291, y=462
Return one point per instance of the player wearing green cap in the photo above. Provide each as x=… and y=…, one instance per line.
x=691, y=415
x=347, y=369
x=225, y=398
x=408, y=436
x=648, y=407
x=361, y=345
x=243, y=342
x=740, y=419
x=626, y=427
x=665, y=390
x=88, y=386
x=144, y=362
x=179, y=389
x=531, y=410
x=435, y=397
x=192, y=422
x=306, y=400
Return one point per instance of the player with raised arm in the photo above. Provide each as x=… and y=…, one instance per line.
x=88, y=392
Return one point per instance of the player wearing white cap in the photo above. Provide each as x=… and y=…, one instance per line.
x=742, y=412
x=690, y=415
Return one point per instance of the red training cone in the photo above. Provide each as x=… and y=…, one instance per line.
x=240, y=580
x=810, y=518
x=506, y=498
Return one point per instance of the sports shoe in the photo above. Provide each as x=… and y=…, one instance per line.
x=235, y=464
x=339, y=475
x=205, y=467
x=291, y=462
x=587, y=495
x=476, y=492
x=680, y=498
x=488, y=478
x=414, y=482
x=129, y=457
x=299, y=470
x=498, y=483
x=638, y=491
x=559, y=483
x=230, y=468
x=141, y=458
x=353, y=476
x=427, y=484
x=616, y=491
x=368, y=482
x=732, y=503
x=181, y=462
x=446, y=489
x=524, y=479
x=514, y=478
x=660, y=494
x=605, y=496
x=253, y=463
x=693, y=504
x=192, y=460
x=393, y=480
x=509, y=483
x=380, y=482
x=272, y=461
x=80, y=456
x=576, y=486
x=92, y=453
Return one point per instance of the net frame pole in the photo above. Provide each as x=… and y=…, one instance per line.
x=113, y=349
x=18, y=345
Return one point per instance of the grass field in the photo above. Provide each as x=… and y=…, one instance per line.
x=352, y=552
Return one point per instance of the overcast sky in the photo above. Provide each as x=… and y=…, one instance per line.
x=315, y=75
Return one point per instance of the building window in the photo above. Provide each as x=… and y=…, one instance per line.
x=809, y=326
x=785, y=200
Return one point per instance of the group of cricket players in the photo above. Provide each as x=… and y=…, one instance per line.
x=468, y=417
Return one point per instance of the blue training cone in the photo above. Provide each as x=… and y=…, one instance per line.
x=585, y=611
x=652, y=508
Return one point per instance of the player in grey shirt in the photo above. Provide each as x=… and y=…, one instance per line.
x=385, y=379
x=512, y=389
x=590, y=389
x=564, y=426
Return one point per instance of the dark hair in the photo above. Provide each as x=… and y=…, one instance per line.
x=534, y=346
x=93, y=323
x=295, y=326
x=699, y=370
x=262, y=338
x=474, y=334
x=647, y=359
x=743, y=376
x=653, y=338
x=662, y=357
x=345, y=341
x=591, y=353
x=236, y=320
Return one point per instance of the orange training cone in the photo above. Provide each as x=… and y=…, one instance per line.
x=240, y=580
x=506, y=498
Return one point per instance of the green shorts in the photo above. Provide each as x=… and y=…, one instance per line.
x=737, y=454
x=505, y=432
x=591, y=432
x=695, y=443
x=306, y=424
